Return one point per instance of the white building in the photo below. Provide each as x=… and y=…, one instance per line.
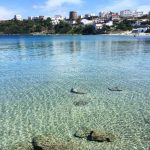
x=59, y=17
x=56, y=19
x=105, y=14
x=126, y=13
x=139, y=30
x=98, y=26
x=30, y=18
x=137, y=13
x=97, y=20
x=86, y=22
x=18, y=17
x=109, y=23
x=115, y=17
x=90, y=15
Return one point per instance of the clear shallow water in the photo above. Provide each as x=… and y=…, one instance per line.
x=37, y=73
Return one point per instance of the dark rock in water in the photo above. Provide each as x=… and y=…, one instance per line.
x=82, y=132
x=50, y=143
x=114, y=89
x=80, y=103
x=18, y=146
x=94, y=135
x=75, y=91
x=46, y=143
x=101, y=136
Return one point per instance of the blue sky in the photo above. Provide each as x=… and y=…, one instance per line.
x=54, y=7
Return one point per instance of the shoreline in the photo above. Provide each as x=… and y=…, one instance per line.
x=111, y=34
x=130, y=34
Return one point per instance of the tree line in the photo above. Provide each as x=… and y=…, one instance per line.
x=46, y=27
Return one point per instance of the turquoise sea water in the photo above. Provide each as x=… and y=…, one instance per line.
x=37, y=73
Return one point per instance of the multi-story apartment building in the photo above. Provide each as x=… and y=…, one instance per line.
x=126, y=13
x=56, y=19
x=106, y=15
x=115, y=17
x=137, y=13
x=90, y=15
x=18, y=17
x=86, y=22
x=30, y=18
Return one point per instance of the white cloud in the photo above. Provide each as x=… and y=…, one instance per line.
x=120, y=5
x=6, y=13
x=55, y=4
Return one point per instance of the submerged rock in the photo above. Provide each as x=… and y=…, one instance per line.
x=50, y=143
x=101, y=136
x=114, y=89
x=80, y=103
x=94, y=135
x=47, y=143
x=75, y=91
x=18, y=146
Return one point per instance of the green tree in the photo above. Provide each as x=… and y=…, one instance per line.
x=77, y=30
x=38, y=28
x=89, y=29
x=63, y=28
x=105, y=29
x=49, y=24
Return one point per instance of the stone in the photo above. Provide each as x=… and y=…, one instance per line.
x=101, y=136
x=80, y=103
x=75, y=91
x=47, y=143
x=97, y=136
x=114, y=89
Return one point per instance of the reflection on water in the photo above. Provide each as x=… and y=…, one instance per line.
x=34, y=47
x=37, y=73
